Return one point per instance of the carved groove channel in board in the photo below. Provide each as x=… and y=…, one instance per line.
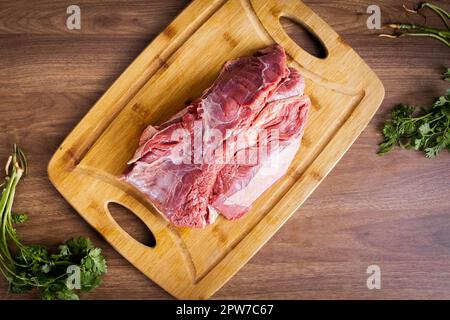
x=154, y=103
x=181, y=62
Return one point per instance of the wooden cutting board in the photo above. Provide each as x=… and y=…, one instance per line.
x=176, y=67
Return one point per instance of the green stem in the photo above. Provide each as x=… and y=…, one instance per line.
x=444, y=15
x=436, y=119
x=15, y=168
x=416, y=27
x=4, y=212
x=431, y=35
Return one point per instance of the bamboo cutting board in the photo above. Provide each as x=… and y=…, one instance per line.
x=176, y=67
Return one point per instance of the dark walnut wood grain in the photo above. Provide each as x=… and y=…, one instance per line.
x=393, y=211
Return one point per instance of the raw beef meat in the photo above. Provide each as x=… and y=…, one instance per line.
x=195, y=166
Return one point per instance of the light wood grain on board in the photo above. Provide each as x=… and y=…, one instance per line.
x=176, y=67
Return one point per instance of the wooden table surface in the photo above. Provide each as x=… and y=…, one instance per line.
x=391, y=211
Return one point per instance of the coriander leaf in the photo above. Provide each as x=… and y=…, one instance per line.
x=63, y=251
x=433, y=151
x=92, y=267
x=79, y=245
x=428, y=131
x=19, y=286
x=446, y=110
x=441, y=101
x=447, y=75
x=417, y=144
x=19, y=218
x=58, y=290
x=35, y=266
x=401, y=112
x=424, y=128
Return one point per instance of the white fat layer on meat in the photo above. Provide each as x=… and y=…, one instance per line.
x=212, y=214
x=273, y=169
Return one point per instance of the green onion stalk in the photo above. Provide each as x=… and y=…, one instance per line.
x=416, y=30
x=15, y=169
x=33, y=266
x=12, y=268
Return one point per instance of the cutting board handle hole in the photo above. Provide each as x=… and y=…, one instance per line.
x=304, y=38
x=132, y=224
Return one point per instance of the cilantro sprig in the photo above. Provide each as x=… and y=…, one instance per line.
x=34, y=266
x=427, y=131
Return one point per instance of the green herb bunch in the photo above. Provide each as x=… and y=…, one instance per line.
x=34, y=266
x=427, y=131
